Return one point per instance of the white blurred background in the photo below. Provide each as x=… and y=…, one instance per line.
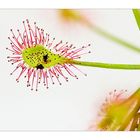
x=74, y=105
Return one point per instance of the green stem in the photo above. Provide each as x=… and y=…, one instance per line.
x=113, y=38
x=136, y=13
x=106, y=65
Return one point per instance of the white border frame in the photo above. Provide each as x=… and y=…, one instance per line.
x=70, y=4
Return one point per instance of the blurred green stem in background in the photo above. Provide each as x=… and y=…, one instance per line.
x=136, y=13
x=75, y=16
x=113, y=38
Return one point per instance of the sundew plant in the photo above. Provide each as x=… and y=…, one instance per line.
x=40, y=59
x=119, y=112
x=77, y=67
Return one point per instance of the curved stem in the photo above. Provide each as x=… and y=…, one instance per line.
x=111, y=37
x=106, y=65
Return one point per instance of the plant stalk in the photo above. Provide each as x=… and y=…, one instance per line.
x=110, y=36
x=106, y=65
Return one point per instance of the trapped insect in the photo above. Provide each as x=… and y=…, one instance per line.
x=39, y=59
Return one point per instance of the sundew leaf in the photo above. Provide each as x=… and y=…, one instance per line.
x=136, y=13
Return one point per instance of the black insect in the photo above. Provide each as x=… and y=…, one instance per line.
x=40, y=66
x=45, y=57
